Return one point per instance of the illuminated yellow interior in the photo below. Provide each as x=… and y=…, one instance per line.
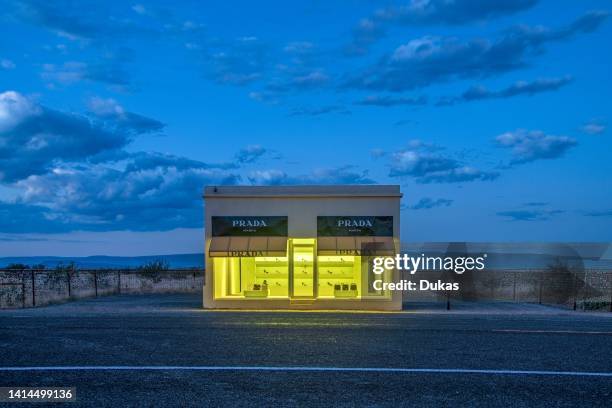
x=339, y=276
x=251, y=277
x=303, y=267
x=302, y=274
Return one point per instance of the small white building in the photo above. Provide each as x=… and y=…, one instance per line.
x=300, y=247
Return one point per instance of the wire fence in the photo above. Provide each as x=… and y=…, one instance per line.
x=31, y=288
x=578, y=290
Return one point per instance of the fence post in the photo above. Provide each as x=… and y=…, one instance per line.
x=514, y=288
x=96, y=282
x=584, y=290
x=448, y=300
x=194, y=280
x=119, y=281
x=69, y=285
x=575, y=290
x=541, y=282
x=22, y=293
x=33, y=290
x=610, y=283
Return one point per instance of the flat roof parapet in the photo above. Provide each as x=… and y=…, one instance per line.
x=370, y=190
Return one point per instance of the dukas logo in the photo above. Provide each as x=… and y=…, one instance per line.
x=249, y=223
x=354, y=222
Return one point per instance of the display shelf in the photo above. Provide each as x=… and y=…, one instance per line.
x=345, y=294
x=339, y=261
x=299, y=281
x=272, y=263
x=275, y=274
x=331, y=285
x=255, y=294
x=324, y=274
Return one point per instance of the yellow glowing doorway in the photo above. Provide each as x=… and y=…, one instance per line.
x=303, y=279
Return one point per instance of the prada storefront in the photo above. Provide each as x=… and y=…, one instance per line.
x=299, y=247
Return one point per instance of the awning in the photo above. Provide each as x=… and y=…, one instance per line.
x=366, y=246
x=248, y=246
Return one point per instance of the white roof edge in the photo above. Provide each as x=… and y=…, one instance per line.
x=360, y=190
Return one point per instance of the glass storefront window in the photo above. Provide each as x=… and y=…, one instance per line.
x=251, y=277
x=302, y=274
x=349, y=276
x=339, y=276
x=369, y=277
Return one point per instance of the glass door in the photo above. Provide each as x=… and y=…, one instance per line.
x=303, y=267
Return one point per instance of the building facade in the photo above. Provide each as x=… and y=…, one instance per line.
x=300, y=247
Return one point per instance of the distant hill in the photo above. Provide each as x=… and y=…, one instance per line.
x=500, y=256
x=175, y=261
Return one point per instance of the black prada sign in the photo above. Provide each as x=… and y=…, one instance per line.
x=249, y=226
x=346, y=226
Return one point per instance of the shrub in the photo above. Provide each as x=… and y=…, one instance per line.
x=158, y=265
x=17, y=266
x=154, y=269
x=70, y=267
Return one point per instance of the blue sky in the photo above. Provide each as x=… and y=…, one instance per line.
x=492, y=115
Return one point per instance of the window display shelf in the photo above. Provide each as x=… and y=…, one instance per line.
x=299, y=265
x=345, y=293
x=335, y=274
x=271, y=274
x=271, y=264
x=331, y=285
x=337, y=264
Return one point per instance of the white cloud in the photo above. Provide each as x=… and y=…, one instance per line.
x=34, y=137
x=7, y=64
x=102, y=107
x=528, y=146
x=422, y=162
x=14, y=107
x=139, y=9
x=594, y=128
x=110, y=110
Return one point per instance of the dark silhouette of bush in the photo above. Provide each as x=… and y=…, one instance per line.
x=562, y=282
x=70, y=267
x=154, y=269
x=17, y=267
x=158, y=265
